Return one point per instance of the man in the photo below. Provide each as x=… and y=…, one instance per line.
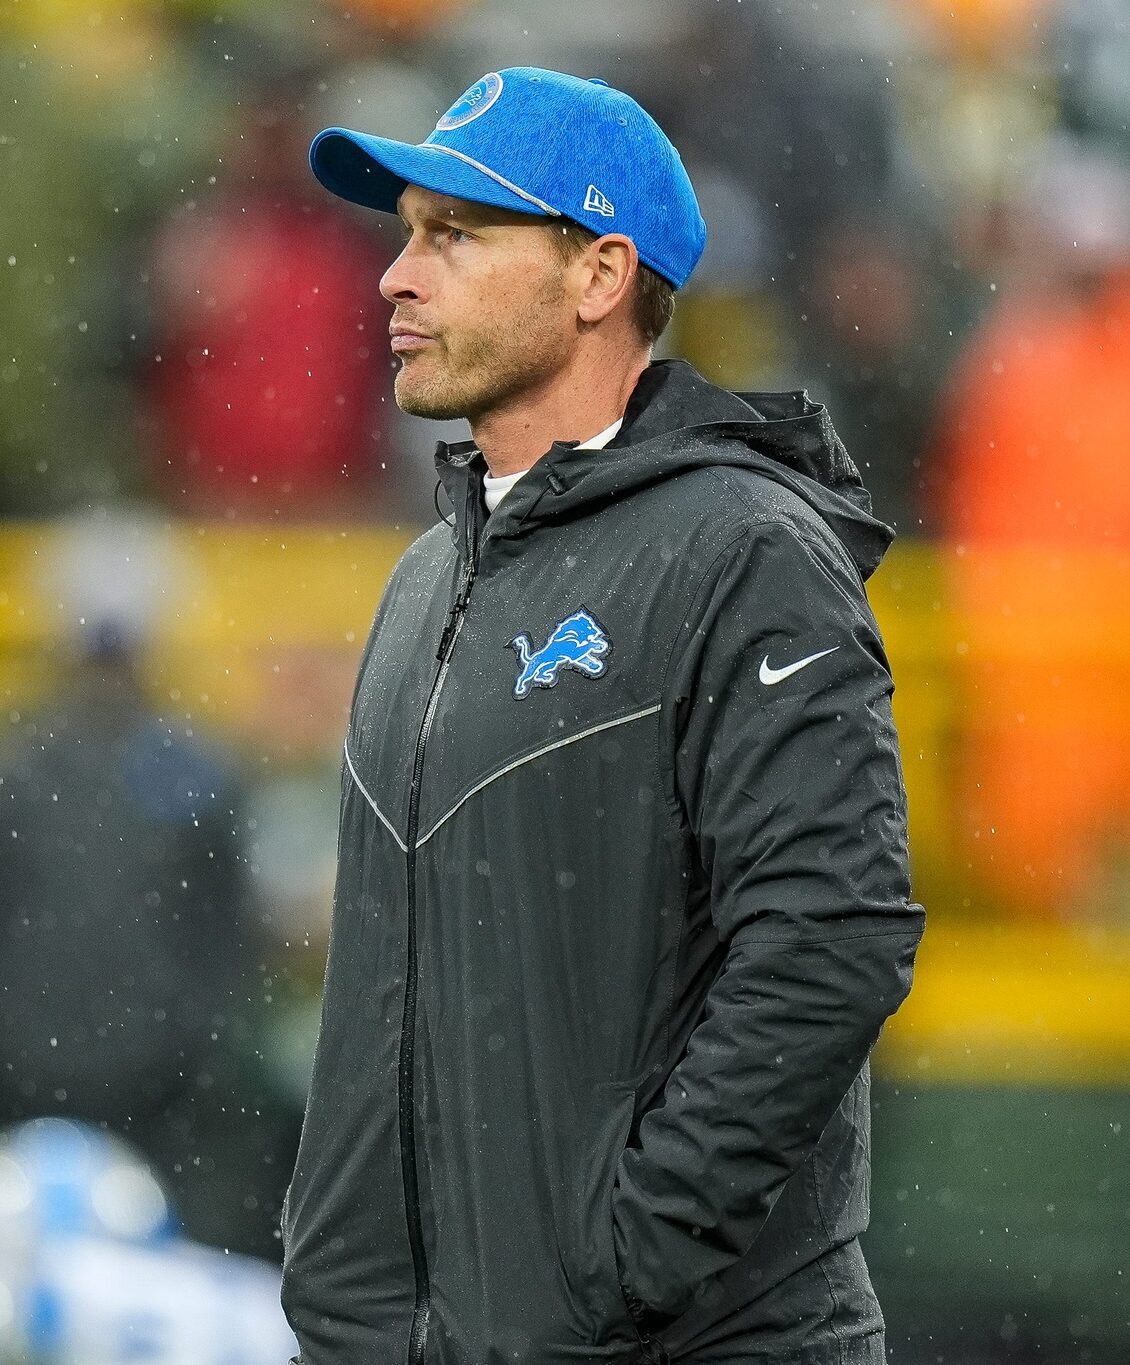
x=622, y=895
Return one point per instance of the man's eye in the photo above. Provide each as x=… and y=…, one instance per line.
x=458, y=234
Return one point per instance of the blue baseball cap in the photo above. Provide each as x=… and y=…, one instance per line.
x=542, y=143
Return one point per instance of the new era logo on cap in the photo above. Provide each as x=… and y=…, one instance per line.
x=595, y=202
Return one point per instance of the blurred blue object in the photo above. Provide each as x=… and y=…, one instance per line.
x=94, y=1272
x=65, y=1179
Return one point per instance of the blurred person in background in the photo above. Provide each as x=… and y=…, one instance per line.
x=1033, y=455
x=127, y=957
x=813, y=143
x=728, y=324
x=843, y=243
x=517, y=1145
x=266, y=390
x=95, y=1271
x=292, y=806
x=872, y=338
x=107, y=122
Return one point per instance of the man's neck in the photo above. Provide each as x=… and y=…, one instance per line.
x=573, y=407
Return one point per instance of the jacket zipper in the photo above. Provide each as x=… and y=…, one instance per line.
x=407, y=1074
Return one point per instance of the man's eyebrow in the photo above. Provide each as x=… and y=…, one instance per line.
x=471, y=214
x=477, y=215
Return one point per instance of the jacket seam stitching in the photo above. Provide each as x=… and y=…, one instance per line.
x=695, y=596
x=669, y=1011
x=799, y=531
x=664, y=685
x=669, y=1007
x=381, y=816
x=823, y=1268
x=834, y=938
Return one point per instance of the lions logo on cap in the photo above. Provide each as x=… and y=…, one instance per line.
x=473, y=102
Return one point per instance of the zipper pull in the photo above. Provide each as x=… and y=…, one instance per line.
x=465, y=586
x=458, y=607
x=653, y=1350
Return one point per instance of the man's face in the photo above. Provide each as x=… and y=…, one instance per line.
x=484, y=312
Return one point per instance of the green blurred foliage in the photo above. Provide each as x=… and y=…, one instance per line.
x=107, y=123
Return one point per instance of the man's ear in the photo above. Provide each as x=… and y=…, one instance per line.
x=611, y=264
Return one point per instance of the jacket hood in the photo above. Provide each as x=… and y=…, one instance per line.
x=676, y=421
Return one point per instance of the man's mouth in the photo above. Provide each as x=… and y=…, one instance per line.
x=406, y=339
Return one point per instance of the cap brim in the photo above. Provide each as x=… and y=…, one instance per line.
x=373, y=172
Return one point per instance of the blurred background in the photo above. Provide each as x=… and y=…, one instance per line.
x=919, y=210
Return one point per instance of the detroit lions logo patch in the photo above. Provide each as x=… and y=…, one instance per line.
x=579, y=642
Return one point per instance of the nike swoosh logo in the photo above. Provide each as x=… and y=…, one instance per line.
x=769, y=676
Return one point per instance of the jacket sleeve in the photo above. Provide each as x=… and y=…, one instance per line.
x=789, y=782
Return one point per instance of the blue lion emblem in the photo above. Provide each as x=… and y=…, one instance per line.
x=579, y=642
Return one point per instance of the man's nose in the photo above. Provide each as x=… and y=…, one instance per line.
x=403, y=281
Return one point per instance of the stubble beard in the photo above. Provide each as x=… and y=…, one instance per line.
x=474, y=386
x=491, y=367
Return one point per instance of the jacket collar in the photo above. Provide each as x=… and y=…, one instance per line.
x=676, y=420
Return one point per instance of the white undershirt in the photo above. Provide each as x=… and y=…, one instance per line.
x=495, y=489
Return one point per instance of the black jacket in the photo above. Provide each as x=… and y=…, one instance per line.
x=621, y=908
